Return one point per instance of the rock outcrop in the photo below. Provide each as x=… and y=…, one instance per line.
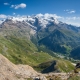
x=78, y=65
x=51, y=68
x=10, y=71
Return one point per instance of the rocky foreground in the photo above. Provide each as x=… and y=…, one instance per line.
x=10, y=71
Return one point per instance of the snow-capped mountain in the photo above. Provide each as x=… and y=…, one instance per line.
x=40, y=21
x=43, y=30
x=35, y=21
x=1, y=21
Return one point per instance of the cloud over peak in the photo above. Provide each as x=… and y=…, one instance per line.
x=47, y=15
x=75, y=20
x=22, y=5
x=3, y=16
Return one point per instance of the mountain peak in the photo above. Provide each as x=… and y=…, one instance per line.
x=49, y=17
x=42, y=20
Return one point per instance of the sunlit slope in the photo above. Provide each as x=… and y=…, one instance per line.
x=22, y=51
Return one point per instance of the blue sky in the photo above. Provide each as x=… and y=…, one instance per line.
x=41, y=6
x=69, y=10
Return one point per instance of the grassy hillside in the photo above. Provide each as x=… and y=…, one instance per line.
x=22, y=51
x=65, y=65
x=56, y=65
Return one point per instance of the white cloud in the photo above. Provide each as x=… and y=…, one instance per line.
x=44, y=18
x=12, y=6
x=6, y=4
x=39, y=15
x=22, y=5
x=73, y=23
x=3, y=16
x=14, y=13
x=69, y=20
x=70, y=11
x=73, y=18
x=66, y=10
x=73, y=11
x=47, y=15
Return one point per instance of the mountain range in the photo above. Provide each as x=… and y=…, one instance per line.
x=24, y=38
x=46, y=32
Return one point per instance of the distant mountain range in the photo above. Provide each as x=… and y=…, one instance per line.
x=46, y=32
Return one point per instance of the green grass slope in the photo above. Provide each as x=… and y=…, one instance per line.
x=21, y=51
x=56, y=65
